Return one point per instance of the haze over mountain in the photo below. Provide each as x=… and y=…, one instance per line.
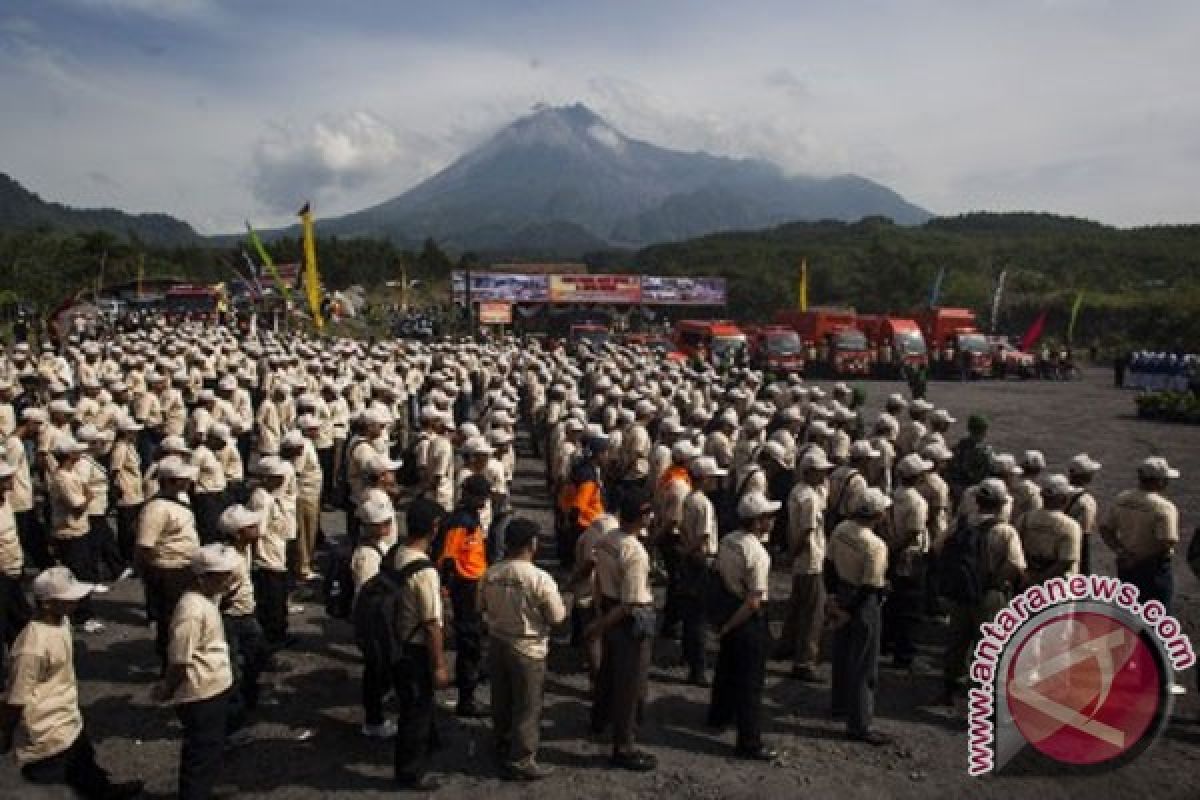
x=567, y=180
x=22, y=209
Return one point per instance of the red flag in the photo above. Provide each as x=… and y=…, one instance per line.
x=1034, y=333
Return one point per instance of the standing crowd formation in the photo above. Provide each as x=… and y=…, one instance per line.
x=199, y=463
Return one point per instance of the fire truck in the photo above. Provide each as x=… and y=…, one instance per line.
x=715, y=341
x=896, y=343
x=836, y=347
x=957, y=348
x=776, y=348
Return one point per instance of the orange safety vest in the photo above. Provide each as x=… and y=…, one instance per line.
x=675, y=473
x=466, y=547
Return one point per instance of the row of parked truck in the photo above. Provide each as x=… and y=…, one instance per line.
x=838, y=342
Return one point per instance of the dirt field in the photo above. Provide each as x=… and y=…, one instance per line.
x=309, y=746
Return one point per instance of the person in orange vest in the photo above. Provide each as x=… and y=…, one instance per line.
x=582, y=498
x=462, y=561
x=672, y=489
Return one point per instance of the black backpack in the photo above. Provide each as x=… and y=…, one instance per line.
x=719, y=603
x=339, y=583
x=409, y=475
x=378, y=607
x=962, y=567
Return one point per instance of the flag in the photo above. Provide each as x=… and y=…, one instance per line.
x=935, y=293
x=802, y=296
x=312, y=280
x=996, y=297
x=1074, y=315
x=1034, y=333
x=268, y=263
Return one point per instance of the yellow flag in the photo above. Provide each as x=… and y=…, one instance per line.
x=312, y=279
x=802, y=298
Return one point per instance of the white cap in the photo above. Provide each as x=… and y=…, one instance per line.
x=863, y=449
x=499, y=436
x=897, y=400
x=872, y=502
x=815, y=458
x=66, y=445
x=1083, y=464
x=173, y=444
x=59, y=583
x=236, y=517
x=920, y=406
x=477, y=446
x=912, y=465
x=33, y=415
x=683, y=451
x=219, y=430
x=128, y=424
x=176, y=467
x=215, y=558
x=61, y=407
x=382, y=463
x=1005, y=464
x=376, y=512
x=1057, y=486
x=1157, y=468
x=756, y=504
x=774, y=451
x=936, y=451
x=706, y=467
x=1033, y=459
x=993, y=489
x=306, y=421
x=942, y=415
x=670, y=427
x=271, y=465
x=292, y=438
x=6, y=469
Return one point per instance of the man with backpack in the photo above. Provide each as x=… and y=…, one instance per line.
x=982, y=563
x=377, y=534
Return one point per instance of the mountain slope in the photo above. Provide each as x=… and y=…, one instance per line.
x=22, y=209
x=568, y=166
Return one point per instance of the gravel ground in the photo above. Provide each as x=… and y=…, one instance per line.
x=308, y=745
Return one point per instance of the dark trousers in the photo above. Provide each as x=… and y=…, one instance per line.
x=245, y=639
x=738, y=681
x=376, y=680
x=1153, y=580
x=164, y=587
x=78, y=555
x=75, y=767
x=901, y=614
x=203, y=745
x=415, y=735
x=127, y=518
x=669, y=552
x=32, y=534
x=325, y=459
x=270, y=600
x=517, y=683
x=14, y=609
x=109, y=563
x=621, y=685
x=691, y=612
x=207, y=507
x=468, y=641
x=856, y=665
x=801, y=636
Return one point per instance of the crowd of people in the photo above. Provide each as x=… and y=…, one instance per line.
x=1160, y=372
x=215, y=456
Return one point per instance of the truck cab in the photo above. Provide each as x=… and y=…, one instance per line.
x=958, y=349
x=836, y=347
x=896, y=343
x=776, y=348
x=715, y=341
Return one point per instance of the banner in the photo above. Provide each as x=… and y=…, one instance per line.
x=495, y=313
x=595, y=289
x=1034, y=333
x=996, y=295
x=802, y=300
x=265, y=257
x=1074, y=315
x=935, y=293
x=312, y=280
x=501, y=287
x=672, y=291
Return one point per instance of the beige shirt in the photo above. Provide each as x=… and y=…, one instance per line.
x=41, y=679
x=521, y=605
x=95, y=478
x=936, y=492
x=910, y=523
x=365, y=563
x=1050, y=536
x=846, y=486
x=211, y=477
x=635, y=453
x=308, y=472
x=240, y=598
x=421, y=601
x=275, y=530
x=623, y=569
x=68, y=505
x=168, y=528
x=198, y=644
x=806, y=528
x=1142, y=521
x=12, y=559
x=21, y=496
x=859, y=556
x=126, y=467
x=585, y=552
x=744, y=564
x=1083, y=510
x=698, y=524
x=441, y=467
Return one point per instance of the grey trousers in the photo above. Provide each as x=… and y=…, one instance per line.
x=856, y=666
x=805, y=616
x=517, y=682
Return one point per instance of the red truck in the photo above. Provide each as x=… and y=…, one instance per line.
x=896, y=343
x=715, y=341
x=776, y=348
x=836, y=347
x=957, y=348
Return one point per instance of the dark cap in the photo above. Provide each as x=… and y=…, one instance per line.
x=521, y=532
x=634, y=504
x=477, y=486
x=977, y=423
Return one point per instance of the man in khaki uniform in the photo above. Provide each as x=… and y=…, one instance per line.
x=859, y=560
x=801, y=636
x=29, y=523
x=625, y=606
x=166, y=539
x=521, y=605
x=1082, y=505
x=14, y=609
x=698, y=536
x=1052, y=540
x=908, y=544
x=1142, y=527
x=199, y=674
x=70, y=499
x=848, y=483
x=43, y=697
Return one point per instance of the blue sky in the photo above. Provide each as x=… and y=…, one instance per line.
x=221, y=110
